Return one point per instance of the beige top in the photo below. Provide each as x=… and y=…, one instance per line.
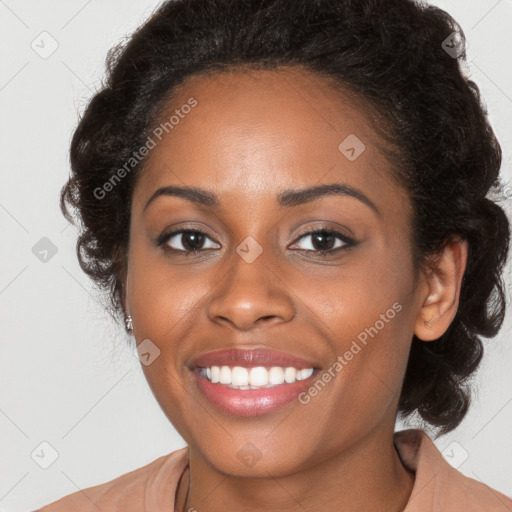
x=152, y=488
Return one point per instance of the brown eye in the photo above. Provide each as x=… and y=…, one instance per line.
x=189, y=240
x=326, y=241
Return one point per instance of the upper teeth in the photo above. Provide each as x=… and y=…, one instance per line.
x=257, y=377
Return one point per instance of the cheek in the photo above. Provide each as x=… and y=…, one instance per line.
x=369, y=296
x=370, y=333
x=361, y=387
x=371, y=349
x=163, y=299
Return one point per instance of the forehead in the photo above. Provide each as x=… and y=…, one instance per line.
x=253, y=131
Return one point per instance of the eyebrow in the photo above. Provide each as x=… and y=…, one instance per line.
x=287, y=198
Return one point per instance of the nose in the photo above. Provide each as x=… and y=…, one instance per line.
x=251, y=295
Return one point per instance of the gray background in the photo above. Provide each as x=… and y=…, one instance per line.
x=68, y=376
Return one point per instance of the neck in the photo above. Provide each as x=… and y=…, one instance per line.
x=367, y=476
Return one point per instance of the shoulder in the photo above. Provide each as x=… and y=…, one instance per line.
x=438, y=486
x=133, y=491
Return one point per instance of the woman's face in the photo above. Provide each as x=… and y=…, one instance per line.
x=258, y=281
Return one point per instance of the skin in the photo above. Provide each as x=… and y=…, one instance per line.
x=251, y=136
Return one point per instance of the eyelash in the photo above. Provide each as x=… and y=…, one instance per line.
x=349, y=242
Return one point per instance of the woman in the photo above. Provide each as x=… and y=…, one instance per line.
x=287, y=203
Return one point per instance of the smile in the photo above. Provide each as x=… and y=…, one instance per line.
x=258, y=377
x=244, y=381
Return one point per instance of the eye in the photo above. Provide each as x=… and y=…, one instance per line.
x=190, y=240
x=324, y=240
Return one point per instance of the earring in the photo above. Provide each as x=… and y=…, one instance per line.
x=129, y=324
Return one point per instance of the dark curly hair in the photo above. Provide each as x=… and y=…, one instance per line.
x=404, y=60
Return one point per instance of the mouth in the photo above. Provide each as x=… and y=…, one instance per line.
x=252, y=382
x=257, y=377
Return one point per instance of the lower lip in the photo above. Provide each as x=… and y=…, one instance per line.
x=251, y=402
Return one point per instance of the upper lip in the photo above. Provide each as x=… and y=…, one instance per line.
x=250, y=357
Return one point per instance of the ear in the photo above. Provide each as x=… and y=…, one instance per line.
x=442, y=284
